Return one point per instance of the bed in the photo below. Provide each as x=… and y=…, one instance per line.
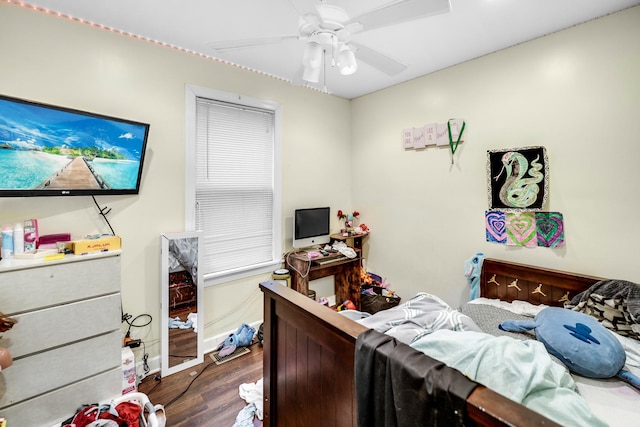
x=310, y=351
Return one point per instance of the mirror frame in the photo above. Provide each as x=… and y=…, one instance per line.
x=166, y=369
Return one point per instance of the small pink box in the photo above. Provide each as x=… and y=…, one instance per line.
x=49, y=241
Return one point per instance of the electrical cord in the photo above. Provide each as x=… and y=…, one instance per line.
x=126, y=317
x=131, y=321
x=158, y=379
x=190, y=356
x=145, y=359
x=286, y=258
x=103, y=213
x=256, y=293
x=182, y=393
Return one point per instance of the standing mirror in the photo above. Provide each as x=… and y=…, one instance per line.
x=182, y=302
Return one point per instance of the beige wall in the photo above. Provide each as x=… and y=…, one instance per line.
x=576, y=92
x=57, y=61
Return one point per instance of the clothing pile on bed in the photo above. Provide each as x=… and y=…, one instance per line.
x=614, y=303
x=397, y=385
x=519, y=369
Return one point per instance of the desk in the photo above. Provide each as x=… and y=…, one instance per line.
x=346, y=274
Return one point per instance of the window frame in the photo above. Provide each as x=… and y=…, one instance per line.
x=193, y=92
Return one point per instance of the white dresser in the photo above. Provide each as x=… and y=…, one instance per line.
x=66, y=345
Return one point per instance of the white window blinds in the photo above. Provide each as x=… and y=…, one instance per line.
x=234, y=185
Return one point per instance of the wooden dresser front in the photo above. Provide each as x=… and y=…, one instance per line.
x=66, y=344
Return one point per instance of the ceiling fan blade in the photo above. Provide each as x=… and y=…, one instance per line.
x=303, y=7
x=225, y=45
x=401, y=11
x=387, y=65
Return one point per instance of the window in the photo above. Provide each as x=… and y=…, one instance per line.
x=233, y=182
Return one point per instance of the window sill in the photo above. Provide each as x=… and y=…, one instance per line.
x=231, y=275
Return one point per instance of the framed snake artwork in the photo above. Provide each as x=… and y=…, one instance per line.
x=518, y=178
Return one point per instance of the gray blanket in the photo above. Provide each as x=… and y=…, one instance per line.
x=417, y=317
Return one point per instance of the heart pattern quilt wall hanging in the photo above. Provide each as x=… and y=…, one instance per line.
x=528, y=229
x=496, y=227
x=550, y=229
x=521, y=229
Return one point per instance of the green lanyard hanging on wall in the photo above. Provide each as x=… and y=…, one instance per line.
x=454, y=146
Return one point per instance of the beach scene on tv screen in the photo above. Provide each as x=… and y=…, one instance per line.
x=44, y=148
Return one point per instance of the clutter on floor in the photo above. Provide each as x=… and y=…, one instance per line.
x=241, y=338
x=132, y=409
x=260, y=334
x=178, y=323
x=252, y=394
x=347, y=305
x=376, y=294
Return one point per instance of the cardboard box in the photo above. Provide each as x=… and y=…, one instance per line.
x=128, y=371
x=101, y=244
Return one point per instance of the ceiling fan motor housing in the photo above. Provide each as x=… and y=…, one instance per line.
x=333, y=17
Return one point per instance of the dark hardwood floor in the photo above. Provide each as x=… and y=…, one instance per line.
x=183, y=343
x=208, y=394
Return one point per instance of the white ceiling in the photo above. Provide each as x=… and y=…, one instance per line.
x=471, y=29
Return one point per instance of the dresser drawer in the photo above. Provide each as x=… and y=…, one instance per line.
x=47, y=285
x=59, y=367
x=51, y=327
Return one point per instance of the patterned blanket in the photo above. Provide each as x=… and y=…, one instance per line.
x=614, y=303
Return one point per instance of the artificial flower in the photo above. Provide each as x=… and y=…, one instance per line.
x=342, y=215
x=363, y=229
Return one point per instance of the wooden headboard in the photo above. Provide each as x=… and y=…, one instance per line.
x=510, y=281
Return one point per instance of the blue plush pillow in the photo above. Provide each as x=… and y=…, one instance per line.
x=583, y=344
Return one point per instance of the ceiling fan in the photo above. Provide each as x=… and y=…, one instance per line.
x=327, y=29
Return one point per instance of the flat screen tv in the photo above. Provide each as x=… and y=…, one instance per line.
x=47, y=150
x=311, y=227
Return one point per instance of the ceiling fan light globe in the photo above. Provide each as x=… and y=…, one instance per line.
x=347, y=62
x=311, y=74
x=312, y=57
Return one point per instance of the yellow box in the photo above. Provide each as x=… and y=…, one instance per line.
x=101, y=244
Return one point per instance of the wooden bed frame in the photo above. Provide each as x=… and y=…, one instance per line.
x=309, y=351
